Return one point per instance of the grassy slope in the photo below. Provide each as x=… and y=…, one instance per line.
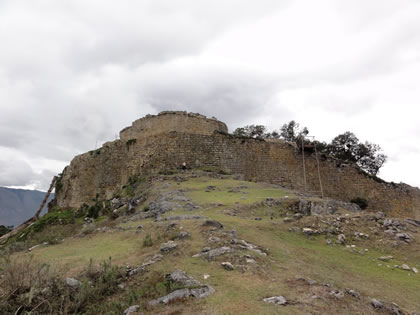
x=290, y=255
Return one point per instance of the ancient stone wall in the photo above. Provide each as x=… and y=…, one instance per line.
x=101, y=173
x=172, y=121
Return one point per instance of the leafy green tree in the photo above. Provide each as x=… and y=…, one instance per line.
x=292, y=131
x=252, y=131
x=367, y=156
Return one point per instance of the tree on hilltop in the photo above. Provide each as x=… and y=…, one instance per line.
x=368, y=156
x=292, y=131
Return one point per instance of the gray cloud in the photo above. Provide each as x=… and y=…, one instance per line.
x=74, y=73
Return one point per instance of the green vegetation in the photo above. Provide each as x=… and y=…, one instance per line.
x=148, y=242
x=235, y=204
x=5, y=229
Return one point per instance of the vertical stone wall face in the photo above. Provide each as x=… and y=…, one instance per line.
x=172, y=121
x=102, y=173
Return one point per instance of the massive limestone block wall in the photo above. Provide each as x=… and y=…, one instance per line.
x=101, y=173
x=172, y=121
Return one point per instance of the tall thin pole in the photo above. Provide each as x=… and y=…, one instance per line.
x=303, y=160
x=319, y=172
x=36, y=216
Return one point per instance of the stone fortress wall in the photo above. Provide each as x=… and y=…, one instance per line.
x=172, y=121
x=144, y=149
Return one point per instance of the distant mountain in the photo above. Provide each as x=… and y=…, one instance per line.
x=18, y=205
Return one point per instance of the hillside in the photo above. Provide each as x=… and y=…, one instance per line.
x=204, y=242
x=18, y=205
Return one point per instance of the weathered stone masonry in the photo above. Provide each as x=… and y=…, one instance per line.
x=201, y=142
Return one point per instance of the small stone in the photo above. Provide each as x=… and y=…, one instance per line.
x=308, y=231
x=377, y=304
x=415, y=270
x=206, y=276
x=353, y=293
x=278, y=300
x=341, y=238
x=328, y=242
x=227, y=265
x=385, y=258
x=251, y=261
x=73, y=283
x=183, y=235
x=287, y=220
x=337, y=294
x=298, y=216
x=168, y=247
x=405, y=267
x=132, y=309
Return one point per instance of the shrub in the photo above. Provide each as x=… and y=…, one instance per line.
x=27, y=287
x=148, y=242
x=361, y=202
x=93, y=211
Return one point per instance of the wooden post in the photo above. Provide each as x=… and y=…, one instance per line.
x=304, y=168
x=36, y=216
x=319, y=172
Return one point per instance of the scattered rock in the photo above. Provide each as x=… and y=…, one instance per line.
x=180, y=278
x=278, y=300
x=337, y=294
x=298, y=216
x=405, y=267
x=287, y=220
x=183, y=235
x=181, y=217
x=88, y=220
x=227, y=265
x=416, y=223
x=377, y=304
x=353, y=293
x=132, y=309
x=214, y=239
x=242, y=244
x=403, y=237
x=73, y=283
x=380, y=215
x=341, y=238
x=213, y=223
x=308, y=231
x=168, y=247
x=385, y=258
x=191, y=206
x=214, y=252
x=415, y=270
x=116, y=203
x=258, y=219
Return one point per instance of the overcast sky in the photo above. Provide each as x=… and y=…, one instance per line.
x=73, y=73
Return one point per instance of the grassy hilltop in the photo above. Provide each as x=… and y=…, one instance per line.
x=333, y=262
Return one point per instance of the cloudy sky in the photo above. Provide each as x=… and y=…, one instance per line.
x=75, y=72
